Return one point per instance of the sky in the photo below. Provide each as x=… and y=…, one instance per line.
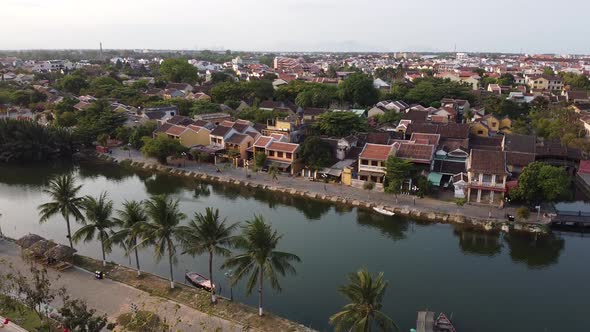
x=530, y=26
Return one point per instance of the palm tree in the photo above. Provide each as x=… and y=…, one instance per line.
x=208, y=233
x=365, y=293
x=129, y=218
x=259, y=258
x=64, y=200
x=162, y=228
x=98, y=220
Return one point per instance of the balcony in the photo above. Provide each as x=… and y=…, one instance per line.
x=491, y=185
x=370, y=168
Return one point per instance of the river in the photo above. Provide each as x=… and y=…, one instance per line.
x=487, y=281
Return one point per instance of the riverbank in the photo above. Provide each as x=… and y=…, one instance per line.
x=187, y=308
x=425, y=209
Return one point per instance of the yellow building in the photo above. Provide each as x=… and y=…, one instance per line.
x=189, y=136
x=479, y=128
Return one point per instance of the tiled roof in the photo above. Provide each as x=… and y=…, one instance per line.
x=220, y=131
x=519, y=159
x=486, y=143
x=520, y=143
x=285, y=147
x=431, y=139
x=487, y=162
x=262, y=141
x=175, y=130
x=163, y=128
x=449, y=130
x=236, y=138
x=419, y=153
x=376, y=151
x=449, y=166
x=196, y=128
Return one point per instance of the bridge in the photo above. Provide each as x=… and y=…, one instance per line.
x=580, y=219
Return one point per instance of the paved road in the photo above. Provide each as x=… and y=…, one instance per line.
x=113, y=298
x=350, y=193
x=10, y=327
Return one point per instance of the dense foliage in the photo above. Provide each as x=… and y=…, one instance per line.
x=178, y=71
x=316, y=153
x=161, y=147
x=340, y=123
x=540, y=182
x=29, y=141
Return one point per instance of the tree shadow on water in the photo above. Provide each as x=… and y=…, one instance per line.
x=390, y=226
x=535, y=250
x=477, y=242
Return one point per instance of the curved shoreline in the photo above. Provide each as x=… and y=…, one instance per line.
x=423, y=214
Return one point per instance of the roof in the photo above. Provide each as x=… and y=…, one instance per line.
x=584, y=167
x=418, y=153
x=180, y=120
x=460, y=177
x=421, y=138
x=262, y=141
x=285, y=147
x=449, y=166
x=378, y=138
x=220, y=131
x=488, y=162
x=236, y=138
x=415, y=116
x=520, y=143
x=487, y=143
x=196, y=128
x=240, y=127
x=163, y=128
x=175, y=130
x=376, y=151
x=519, y=159
x=448, y=130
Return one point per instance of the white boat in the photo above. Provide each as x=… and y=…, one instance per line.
x=383, y=211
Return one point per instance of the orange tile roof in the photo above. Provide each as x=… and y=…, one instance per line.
x=262, y=141
x=285, y=147
x=376, y=151
x=175, y=130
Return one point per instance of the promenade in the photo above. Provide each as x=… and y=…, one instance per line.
x=113, y=298
x=330, y=189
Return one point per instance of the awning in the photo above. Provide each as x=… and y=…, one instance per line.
x=434, y=178
x=332, y=172
x=367, y=173
x=279, y=164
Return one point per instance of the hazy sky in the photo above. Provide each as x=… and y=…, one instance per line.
x=535, y=26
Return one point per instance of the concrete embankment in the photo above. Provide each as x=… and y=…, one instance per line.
x=418, y=213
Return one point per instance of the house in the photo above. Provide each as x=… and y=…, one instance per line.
x=219, y=135
x=520, y=151
x=199, y=96
x=417, y=152
x=576, y=96
x=380, y=84
x=184, y=87
x=159, y=113
x=215, y=118
x=237, y=143
x=311, y=114
x=188, y=136
x=371, y=164
x=376, y=111
x=397, y=105
x=490, y=125
x=460, y=184
x=173, y=93
x=495, y=89
x=283, y=156
x=487, y=175
x=545, y=82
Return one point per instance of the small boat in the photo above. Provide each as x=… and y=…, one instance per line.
x=383, y=211
x=198, y=280
x=443, y=324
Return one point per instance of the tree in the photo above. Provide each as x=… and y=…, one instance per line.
x=161, y=147
x=316, y=153
x=103, y=86
x=76, y=316
x=259, y=160
x=208, y=233
x=63, y=192
x=259, y=258
x=523, y=213
x=540, y=182
x=98, y=222
x=228, y=91
x=34, y=290
x=365, y=293
x=340, y=123
x=358, y=89
x=178, y=70
x=130, y=217
x=424, y=186
x=73, y=84
x=506, y=79
x=102, y=139
x=369, y=186
x=397, y=170
x=145, y=129
x=162, y=228
x=548, y=71
x=273, y=172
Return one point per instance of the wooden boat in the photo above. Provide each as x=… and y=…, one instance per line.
x=443, y=324
x=383, y=211
x=198, y=280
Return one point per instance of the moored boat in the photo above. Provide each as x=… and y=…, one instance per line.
x=198, y=281
x=426, y=323
x=383, y=211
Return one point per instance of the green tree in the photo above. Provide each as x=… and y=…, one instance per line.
x=523, y=213
x=228, y=91
x=63, y=193
x=73, y=84
x=259, y=258
x=506, y=79
x=259, y=160
x=161, y=147
x=208, y=233
x=129, y=218
x=162, y=228
x=179, y=71
x=548, y=71
x=273, y=172
x=365, y=293
x=145, y=129
x=358, y=89
x=397, y=170
x=103, y=86
x=340, y=123
x=98, y=223
x=540, y=182
x=76, y=316
x=316, y=153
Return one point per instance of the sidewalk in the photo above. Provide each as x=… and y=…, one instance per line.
x=113, y=298
x=350, y=193
x=10, y=327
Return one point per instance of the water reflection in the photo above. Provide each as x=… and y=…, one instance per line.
x=94, y=170
x=165, y=184
x=392, y=227
x=201, y=190
x=477, y=242
x=33, y=175
x=536, y=251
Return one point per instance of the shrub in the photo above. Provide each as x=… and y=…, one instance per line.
x=522, y=213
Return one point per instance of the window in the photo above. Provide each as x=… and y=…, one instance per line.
x=374, y=163
x=289, y=155
x=494, y=124
x=364, y=162
x=280, y=154
x=480, y=132
x=487, y=178
x=271, y=153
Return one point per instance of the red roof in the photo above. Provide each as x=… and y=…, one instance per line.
x=432, y=139
x=262, y=141
x=376, y=151
x=285, y=147
x=584, y=167
x=175, y=130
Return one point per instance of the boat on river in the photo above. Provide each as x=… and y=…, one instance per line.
x=426, y=323
x=383, y=211
x=198, y=281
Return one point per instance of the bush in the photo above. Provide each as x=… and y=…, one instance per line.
x=522, y=213
x=460, y=201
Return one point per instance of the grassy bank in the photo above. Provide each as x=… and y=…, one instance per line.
x=23, y=316
x=195, y=298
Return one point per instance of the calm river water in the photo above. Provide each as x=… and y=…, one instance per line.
x=489, y=282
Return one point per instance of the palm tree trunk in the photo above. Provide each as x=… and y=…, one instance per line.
x=260, y=294
x=69, y=231
x=104, y=258
x=137, y=260
x=213, y=297
x=171, y=270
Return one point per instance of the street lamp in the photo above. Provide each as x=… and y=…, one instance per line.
x=183, y=159
x=229, y=275
x=129, y=149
